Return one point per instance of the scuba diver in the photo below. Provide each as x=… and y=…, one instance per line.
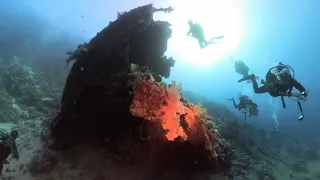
x=8, y=146
x=241, y=68
x=279, y=82
x=197, y=32
x=246, y=104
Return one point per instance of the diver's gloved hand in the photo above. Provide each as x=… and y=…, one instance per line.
x=304, y=93
x=300, y=96
x=303, y=96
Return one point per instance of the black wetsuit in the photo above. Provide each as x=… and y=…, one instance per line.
x=276, y=89
x=7, y=146
x=246, y=102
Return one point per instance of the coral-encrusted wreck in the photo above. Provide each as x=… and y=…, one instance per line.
x=103, y=101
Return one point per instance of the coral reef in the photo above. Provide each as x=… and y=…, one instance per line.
x=256, y=153
x=150, y=151
x=105, y=103
x=7, y=109
x=25, y=85
x=162, y=104
x=21, y=88
x=180, y=122
x=163, y=127
x=26, y=101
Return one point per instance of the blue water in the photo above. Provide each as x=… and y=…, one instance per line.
x=286, y=31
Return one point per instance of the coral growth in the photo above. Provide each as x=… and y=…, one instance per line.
x=28, y=86
x=22, y=87
x=8, y=112
x=162, y=105
x=158, y=103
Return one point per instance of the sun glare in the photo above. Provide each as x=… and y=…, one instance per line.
x=218, y=17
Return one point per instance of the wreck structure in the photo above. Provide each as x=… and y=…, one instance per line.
x=134, y=38
x=105, y=102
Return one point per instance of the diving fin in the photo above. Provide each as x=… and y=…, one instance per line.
x=250, y=77
x=250, y=80
x=217, y=37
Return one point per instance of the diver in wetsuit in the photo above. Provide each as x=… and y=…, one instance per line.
x=246, y=104
x=241, y=68
x=197, y=32
x=8, y=146
x=279, y=82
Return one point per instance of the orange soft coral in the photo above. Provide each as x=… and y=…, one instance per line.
x=158, y=103
x=161, y=104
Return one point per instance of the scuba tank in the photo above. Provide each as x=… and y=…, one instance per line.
x=278, y=76
x=244, y=99
x=280, y=72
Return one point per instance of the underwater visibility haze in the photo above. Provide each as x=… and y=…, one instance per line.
x=154, y=89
